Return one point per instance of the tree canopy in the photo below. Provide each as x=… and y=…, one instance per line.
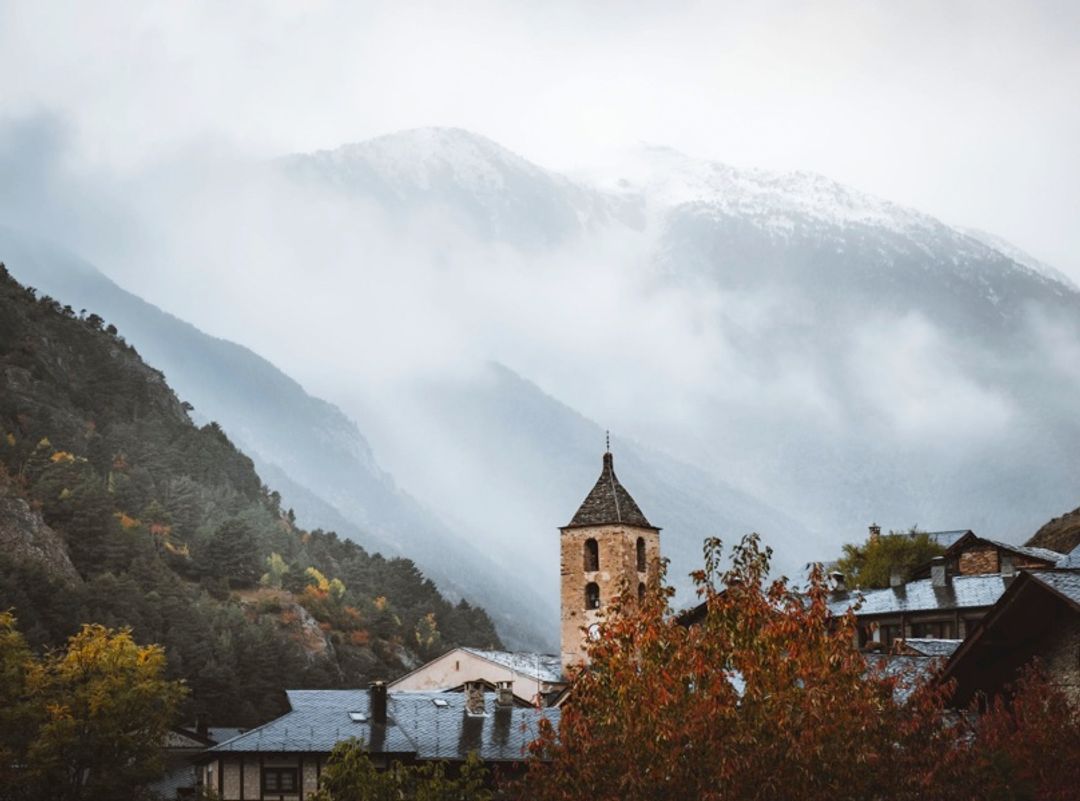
x=869, y=564
x=767, y=698
x=350, y=775
x=169, y=529
x=86, y=722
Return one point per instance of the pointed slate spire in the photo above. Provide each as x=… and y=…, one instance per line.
x=608, y=502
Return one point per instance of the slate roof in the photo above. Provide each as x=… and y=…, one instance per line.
x=609, y=502
x=932, y=647
x=944, y=538
x=416, y=725
x=969, y=538
x=1072, y=559
x=1064, y=582
x=545, y=668
x=960, y=592
x=1026, y=550
x=220, y=734
x=911, y=670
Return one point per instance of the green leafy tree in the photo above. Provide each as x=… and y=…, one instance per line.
x=349, y=775
x=869, y=565
x=107, y=709
x=85, y=723
x=276, y=570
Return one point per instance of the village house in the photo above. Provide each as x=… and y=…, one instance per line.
x=1037, y=617
x=284, y=759
x=948, y=596
x=980, y=611
x=536, y=679
x=182, y=746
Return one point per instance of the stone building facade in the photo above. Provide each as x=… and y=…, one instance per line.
x=608, y=546
x=1038, y=617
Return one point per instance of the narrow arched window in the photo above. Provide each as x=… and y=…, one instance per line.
x=641, y=591
x=641, y=554
x=592, y=595
x=592, y=556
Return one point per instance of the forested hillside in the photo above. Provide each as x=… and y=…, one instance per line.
x=170, y=531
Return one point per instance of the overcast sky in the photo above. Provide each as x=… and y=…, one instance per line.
x=967, y=110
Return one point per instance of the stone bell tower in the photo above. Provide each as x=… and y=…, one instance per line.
x=608, y=542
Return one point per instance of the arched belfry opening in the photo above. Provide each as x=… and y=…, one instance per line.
x=609, y=523
x=592, y=595
x=592, y=555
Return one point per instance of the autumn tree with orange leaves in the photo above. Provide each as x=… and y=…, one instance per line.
x=765, y=698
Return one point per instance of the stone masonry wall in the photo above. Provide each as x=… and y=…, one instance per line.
x=618, y=561
x=979, y=560
x=1061, y=658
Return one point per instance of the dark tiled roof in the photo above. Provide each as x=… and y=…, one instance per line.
x=927, y=646
x=501, y=735
x=319, y=719
x=609, y=502
x=960, y=592
x=220, y=734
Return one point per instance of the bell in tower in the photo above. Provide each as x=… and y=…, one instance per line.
x=608, y=542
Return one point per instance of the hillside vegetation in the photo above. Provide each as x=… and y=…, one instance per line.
x=170, y=531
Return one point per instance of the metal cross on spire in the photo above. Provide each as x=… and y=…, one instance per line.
x=607, y=441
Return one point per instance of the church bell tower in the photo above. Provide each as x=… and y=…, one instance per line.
x=608, y=542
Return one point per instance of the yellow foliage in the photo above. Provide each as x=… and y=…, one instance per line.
x=381, y=603
x=65, y=493
x=11, y=439
x=177, y=550
x=44, y=443
x=320, y=580
x=62, y=456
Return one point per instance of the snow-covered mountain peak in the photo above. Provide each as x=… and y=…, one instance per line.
x=421, y=158
x=667, y=179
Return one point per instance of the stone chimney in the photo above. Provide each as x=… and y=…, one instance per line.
x=474, y=698
x=937, y=571
x=202, y=727
x=1008, y=566
x=896, y=577
x=377, y=691
x=504, y=695
x=838, y=581
x=875, y=532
